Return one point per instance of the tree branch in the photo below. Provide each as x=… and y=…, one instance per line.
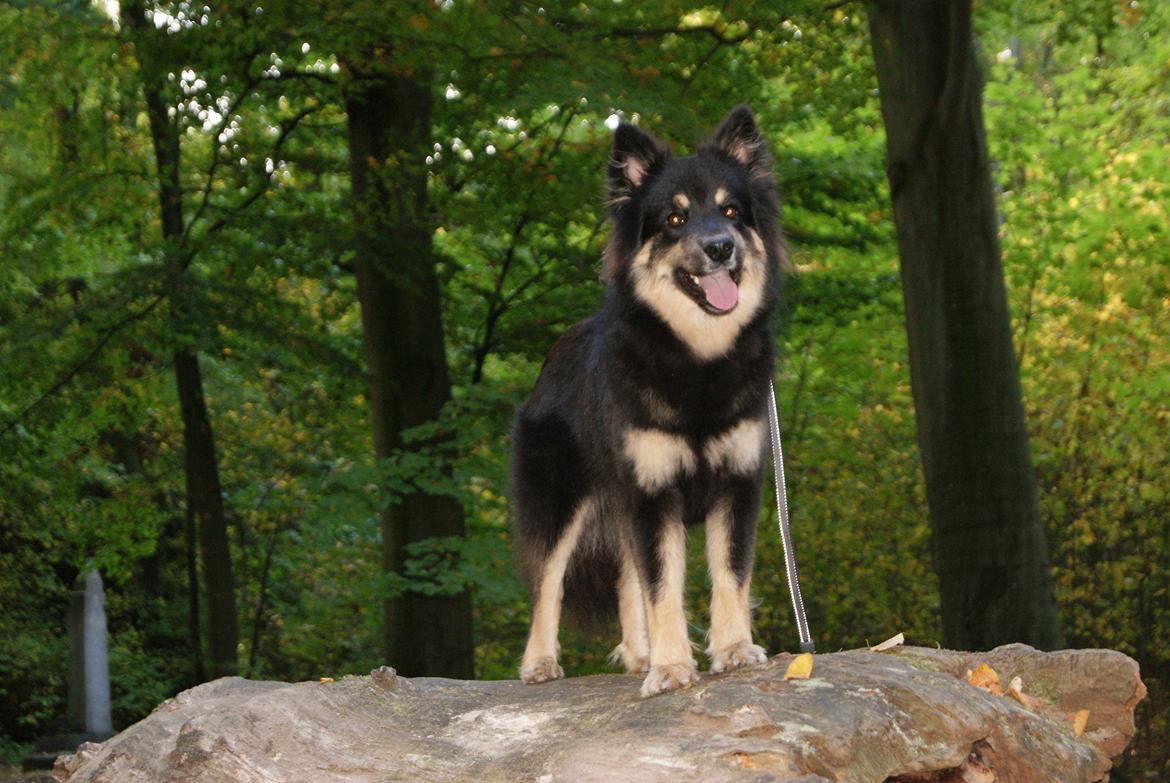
x=498, y=303
x=67, y=377
x=287, y=128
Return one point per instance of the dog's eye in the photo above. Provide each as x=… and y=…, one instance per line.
x=675, y=219
x=730, y=212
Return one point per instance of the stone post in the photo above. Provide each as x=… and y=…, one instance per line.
x=89, y=664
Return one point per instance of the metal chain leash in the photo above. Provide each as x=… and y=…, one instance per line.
x=806, y=642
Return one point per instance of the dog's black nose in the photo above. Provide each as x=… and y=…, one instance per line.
x=719, y=249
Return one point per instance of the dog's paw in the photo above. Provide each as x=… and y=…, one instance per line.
x=542, y=670
x=737, y=655
x=635, y=663
x=669, y=677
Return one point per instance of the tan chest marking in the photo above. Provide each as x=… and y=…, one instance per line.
x=658, y=457
x=739, y=449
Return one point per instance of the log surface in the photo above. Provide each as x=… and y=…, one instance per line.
x=904, y=716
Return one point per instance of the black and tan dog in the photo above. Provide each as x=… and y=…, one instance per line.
x=650, y=416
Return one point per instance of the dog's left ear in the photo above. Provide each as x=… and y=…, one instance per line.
x=739, y=138
x=636, y=155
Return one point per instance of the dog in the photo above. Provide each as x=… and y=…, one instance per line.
x=650, y=416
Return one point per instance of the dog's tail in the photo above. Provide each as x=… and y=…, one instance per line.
x=591, y=597
x=590, y=593
x=590, y=584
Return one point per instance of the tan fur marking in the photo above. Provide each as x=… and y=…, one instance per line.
x=681, y=201
x=666, y=618
x=739, y=449
x=730, y=610
x=540, y=654
x=634, y=650
x=641, y=258
x=671, y=663
x=721, y=196
x=658, y=457
x=708, y=336
x=757, y=245
x=757, y=242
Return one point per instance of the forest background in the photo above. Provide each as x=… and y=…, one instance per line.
x=179, y=194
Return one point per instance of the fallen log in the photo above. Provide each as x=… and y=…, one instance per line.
x=908, y=715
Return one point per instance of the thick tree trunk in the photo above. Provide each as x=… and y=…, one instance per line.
x=988, y=539
x=389, y=139
x=205, y=506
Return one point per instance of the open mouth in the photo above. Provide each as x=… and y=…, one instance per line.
x=717, y=293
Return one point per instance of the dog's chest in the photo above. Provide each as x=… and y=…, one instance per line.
x=691, y=425
x=659, y=458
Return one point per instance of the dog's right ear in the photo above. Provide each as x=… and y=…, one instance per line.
x=635, y=156
x=740, y=139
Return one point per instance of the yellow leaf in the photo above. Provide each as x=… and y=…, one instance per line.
x=800, y=668
x=986, y=678
x=1079, y=720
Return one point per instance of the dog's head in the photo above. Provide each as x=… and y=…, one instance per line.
x=695, y=239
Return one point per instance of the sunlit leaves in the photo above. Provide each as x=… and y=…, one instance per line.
x=1079, y=123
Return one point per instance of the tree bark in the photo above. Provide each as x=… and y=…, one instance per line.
x=988, y=540
x=919, y=721
x=205, y=506
x=389, y=138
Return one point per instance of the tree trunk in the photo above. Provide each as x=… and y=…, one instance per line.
x=389, y=139
x=194, y=634
x=205, y=505
x=987, y=536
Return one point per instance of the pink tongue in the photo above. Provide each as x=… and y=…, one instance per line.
x=721, y=291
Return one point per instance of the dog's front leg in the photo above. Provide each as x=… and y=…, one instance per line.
x=672, y=665
x=730, y=638
x=634, y=650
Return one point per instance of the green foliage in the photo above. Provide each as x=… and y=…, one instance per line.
x=140, y=679
x=90, y=432
x=1082, y=153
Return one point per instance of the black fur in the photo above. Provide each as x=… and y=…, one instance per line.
x=626, y=367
